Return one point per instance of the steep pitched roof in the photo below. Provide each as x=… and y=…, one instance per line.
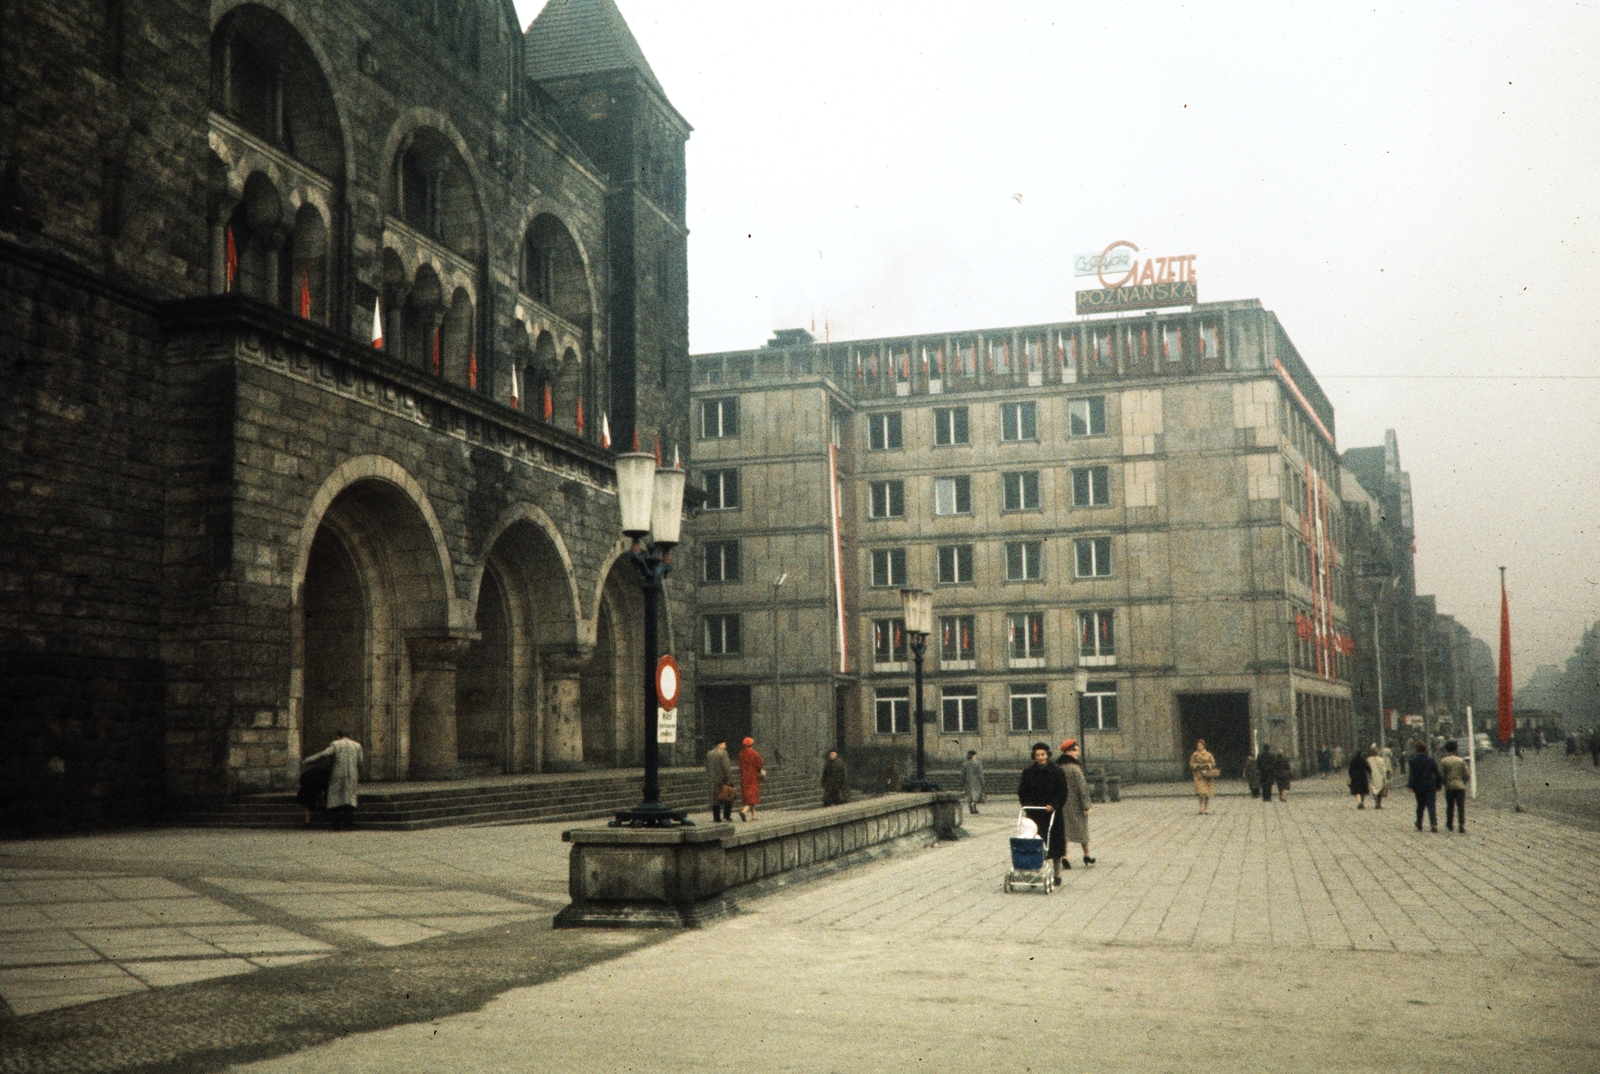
x=584, y=37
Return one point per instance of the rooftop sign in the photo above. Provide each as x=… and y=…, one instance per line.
x=1128, y=282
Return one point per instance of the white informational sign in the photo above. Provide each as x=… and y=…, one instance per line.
x=666, y=726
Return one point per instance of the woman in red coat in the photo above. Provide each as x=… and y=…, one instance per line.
x=750, y=773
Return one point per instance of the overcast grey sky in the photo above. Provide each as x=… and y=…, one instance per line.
x=1414, y=190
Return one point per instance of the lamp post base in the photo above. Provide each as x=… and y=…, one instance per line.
x=652, y=815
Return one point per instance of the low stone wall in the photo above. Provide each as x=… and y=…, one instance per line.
x=684, y=877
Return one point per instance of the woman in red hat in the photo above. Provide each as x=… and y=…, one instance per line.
x=751, y=771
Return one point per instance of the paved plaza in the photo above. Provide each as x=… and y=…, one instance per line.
x=1301, y=936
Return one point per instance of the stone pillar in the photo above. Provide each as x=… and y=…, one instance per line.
x=433, y=706
x=563, y=719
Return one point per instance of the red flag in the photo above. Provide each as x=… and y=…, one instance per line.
x=605, y=430
x=549, y=404
x=436, y=352
x=1507, y=723
x=472, y=367
x=516, y=393
x=658, y=449
x=636, y=439
x=580, y=415
x=305, y=297
x=233, y=260
x=377, y=324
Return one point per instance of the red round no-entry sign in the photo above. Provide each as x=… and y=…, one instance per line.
x=667, y=681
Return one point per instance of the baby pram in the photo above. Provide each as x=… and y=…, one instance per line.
x=1029, y=869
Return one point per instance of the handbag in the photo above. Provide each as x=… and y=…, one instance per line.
x=1213, y=773
x=725, y=793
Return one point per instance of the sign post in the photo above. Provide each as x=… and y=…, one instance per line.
x=667, y=683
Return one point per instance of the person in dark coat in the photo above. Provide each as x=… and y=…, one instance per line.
x=1359, y=775
x=1252, y=775
x=1267, y=769
x=1282, y=773
x=1423, y=778
x=835, y=780
x=1045, y=785
x=719, y=782
x=313, y=789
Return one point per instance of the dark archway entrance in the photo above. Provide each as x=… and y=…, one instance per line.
x=335, y=619
x=484, y=685
x=1223, y=720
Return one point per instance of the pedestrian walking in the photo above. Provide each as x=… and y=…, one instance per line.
x=1076, y=818
x=1044, y=785
x=891, y=777
x=344, y=776
x=1267, y=769
x=835, y=780
x=1203, y=768
x=1282, y=773
x=1252, y=775
x=1360, y=775
x=972, y=779
x=1377, y=775
x=1423, y=779
x=1453, y=771
x=752, y=770
x=719, y=781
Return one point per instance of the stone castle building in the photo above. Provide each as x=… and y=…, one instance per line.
x=1132, y=528
x=233, y=525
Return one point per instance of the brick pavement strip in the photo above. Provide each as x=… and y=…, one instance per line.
x=1309, y=923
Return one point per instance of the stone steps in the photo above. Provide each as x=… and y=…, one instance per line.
x=501, y=800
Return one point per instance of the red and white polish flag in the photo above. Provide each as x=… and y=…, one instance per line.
x=377, y=324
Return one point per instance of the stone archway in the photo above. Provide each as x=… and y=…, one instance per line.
x=374, y=649
x=612, y=685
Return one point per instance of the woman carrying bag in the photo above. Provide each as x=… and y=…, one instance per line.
x=1203, y=767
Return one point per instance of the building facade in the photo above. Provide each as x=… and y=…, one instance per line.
x=236, y=523
x=1131, y=527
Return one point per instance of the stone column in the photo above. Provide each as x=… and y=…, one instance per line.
x=563, y=718
x=433, y=706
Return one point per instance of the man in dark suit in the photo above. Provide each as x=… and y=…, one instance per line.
x=1423, y=778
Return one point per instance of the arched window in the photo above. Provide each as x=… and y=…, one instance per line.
x=265, y=78
x=432, y=192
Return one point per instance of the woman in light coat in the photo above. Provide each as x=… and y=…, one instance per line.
x=1377, y=776
x=1203, y=767
x=343, y=779
x=1074, y=819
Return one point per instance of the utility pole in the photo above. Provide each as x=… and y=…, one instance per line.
x=777, y=668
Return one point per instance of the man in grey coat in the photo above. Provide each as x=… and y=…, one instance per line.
x=972, y=779
x=343, y=779
x=719, y=774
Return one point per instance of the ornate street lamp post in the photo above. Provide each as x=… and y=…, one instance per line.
x=917, y=606
x=651, y=502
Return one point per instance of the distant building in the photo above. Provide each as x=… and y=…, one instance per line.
x=1132, y=528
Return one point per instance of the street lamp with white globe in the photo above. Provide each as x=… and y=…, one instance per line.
x=650, y=499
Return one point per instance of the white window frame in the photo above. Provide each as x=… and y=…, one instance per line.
x=723, y=407
x=957, y=561
x=1092, y=706
x=1031, y=653
x=895, y=702
x=1018, y=480
x=1012, y=426
x=898, y=656
x=878, y=429
x=1104, y=487
x=948, y=494
x=889, y=576
x=950, y=633
x=945, y=425
x=1037, y=699
x=1095, y=545
x=720, y=549
x=1088, y=407
x=716, y=632
x=720, y=479
x=1031, y=559
x=1096, y=653
x=965, y=710
x=883, y=497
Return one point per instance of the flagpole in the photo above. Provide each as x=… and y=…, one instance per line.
x=1472, y=755
x=1508, y=721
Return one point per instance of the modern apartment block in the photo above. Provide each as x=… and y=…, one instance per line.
x=1131, y=528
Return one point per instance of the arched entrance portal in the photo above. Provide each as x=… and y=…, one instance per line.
x=373, y=646
x=612, y=684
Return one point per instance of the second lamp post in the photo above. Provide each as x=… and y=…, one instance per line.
x=917, y=607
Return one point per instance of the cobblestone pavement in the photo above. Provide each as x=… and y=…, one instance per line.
x=1551, y=785
x=1306, y=935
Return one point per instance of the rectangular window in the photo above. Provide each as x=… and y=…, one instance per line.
x=1087, y=417
x=1093, y=556
x=957, y=639
x=893, y=711
x=888, y=499
x=950, y=426
x=955, y=564
x=889, y=641
x=722, y=561
x=952, y=495
x=1028, y=709
x=719, y=418
x=883, y=432
x=1025, y=636
x=889, y=567
x=960, y=705
x=1097, y=708
x=1021, y=491
x=1024, y=561
x=1091, y=486
x=1097, y=639
x=722, y=489
x=1020, y=421
x=722, y=635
